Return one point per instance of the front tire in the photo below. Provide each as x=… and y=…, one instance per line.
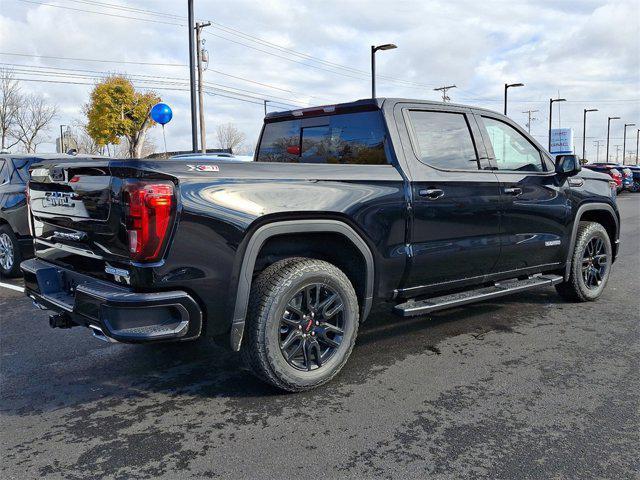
x=590, y=264
x=10, y=256
x=301, y=325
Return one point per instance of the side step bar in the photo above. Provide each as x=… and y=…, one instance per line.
x=420, y=307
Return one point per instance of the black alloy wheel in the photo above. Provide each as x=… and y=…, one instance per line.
x=312, y=326
x=594, y=263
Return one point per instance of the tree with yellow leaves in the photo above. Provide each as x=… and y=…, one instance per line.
x=116, y=111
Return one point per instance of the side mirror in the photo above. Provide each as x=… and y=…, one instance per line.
x=568, y=165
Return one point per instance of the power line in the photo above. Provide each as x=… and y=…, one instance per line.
x=182, y=65
x=42, y=70
x=361, y=74
x=253, y=38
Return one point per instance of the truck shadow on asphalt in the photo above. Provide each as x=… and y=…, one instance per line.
x=204, y=370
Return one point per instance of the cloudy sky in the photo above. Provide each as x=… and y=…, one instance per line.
x=297, y=53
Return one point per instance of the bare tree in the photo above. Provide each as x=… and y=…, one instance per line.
x=84, y=142
x=32, y=121
x=10, y=102
x=143, y=148
x=229, y=136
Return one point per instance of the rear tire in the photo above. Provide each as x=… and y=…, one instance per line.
x=590, y=264
x=301, y=324
x=10, y=255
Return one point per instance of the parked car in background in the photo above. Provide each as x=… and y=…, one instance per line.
x=627, y=178
x=611, y=170
x=635, y=171
x=16, y=243
x=212, y=156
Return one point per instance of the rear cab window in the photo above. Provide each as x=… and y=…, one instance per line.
x=443, y=139
x=348, y=138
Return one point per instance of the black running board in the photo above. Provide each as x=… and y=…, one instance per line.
x=415, y=307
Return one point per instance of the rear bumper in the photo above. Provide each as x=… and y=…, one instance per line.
x=113, y=311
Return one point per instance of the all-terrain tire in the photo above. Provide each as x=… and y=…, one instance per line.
x=575, y=289
x=271, y=293
x=10, y=248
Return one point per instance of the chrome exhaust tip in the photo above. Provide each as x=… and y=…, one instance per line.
x=99, y=334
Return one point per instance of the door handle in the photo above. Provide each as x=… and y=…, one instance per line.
x=431, y=193
x=515, y=191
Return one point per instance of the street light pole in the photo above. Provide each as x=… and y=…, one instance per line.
x=551, y=101
x=374, y=49
x=192, y=81
x=624, y=140
x=606, y=159
x=584, y=130
x=506, y=87
x=637, y=144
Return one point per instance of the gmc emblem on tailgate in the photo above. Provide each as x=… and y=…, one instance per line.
x=58, y=199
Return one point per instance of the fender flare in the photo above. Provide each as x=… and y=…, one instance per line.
x=574, y=233
x=262, y=234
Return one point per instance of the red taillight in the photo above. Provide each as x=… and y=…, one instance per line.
x=149, y=212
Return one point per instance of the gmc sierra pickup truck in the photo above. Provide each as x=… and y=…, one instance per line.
x=407, y=205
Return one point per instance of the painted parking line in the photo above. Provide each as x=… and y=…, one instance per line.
x=11, y=287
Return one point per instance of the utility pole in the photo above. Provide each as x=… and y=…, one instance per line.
x=617, y=151
x=624, y=141
x=192, y=81
x=529, y=112
x=551, y=102
x=62, y=139
x=584, y=129
x=445, y=97
x=597, y=144
x=637, y=144
x=265, y=107
x=199, y=43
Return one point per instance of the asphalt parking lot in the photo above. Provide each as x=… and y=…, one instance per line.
x=525, y=387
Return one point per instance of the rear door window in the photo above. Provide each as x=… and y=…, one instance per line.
x=443, y=140
x=352, y=138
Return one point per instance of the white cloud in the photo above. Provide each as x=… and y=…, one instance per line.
x=588, y=51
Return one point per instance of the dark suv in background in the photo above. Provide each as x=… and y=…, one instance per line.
x=15, y=240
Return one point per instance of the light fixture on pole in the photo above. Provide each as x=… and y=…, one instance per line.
x=624, y=140
x=584, y=130
x=507, y=86
x=374, y=49
x=606, y=159
x=551, y=102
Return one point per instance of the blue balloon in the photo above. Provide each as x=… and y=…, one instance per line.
x=161, y=113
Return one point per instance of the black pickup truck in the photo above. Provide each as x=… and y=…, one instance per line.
x=401, y=204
